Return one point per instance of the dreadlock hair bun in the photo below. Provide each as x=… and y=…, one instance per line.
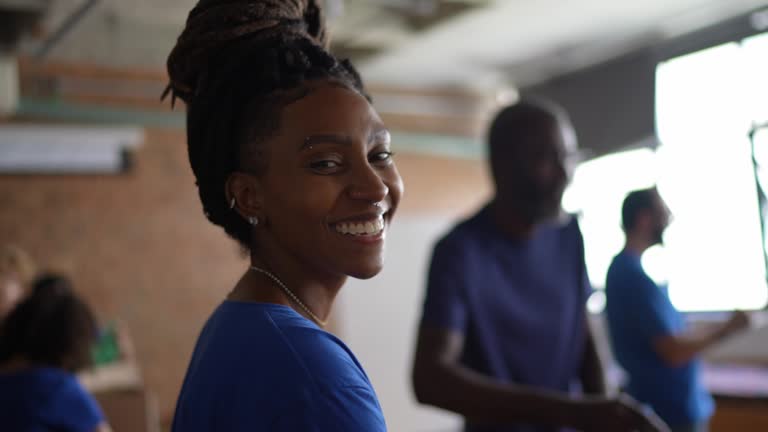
x=213, y=25
x=236, y=64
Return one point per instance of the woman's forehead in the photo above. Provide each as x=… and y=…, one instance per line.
x=330, y=107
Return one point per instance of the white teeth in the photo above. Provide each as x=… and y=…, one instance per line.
x=371, y=227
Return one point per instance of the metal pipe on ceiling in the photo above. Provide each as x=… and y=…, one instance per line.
x=66, y=26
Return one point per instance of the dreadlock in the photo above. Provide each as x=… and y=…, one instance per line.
x=236, y=65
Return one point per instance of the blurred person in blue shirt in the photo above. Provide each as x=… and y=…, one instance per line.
x=649, y=336
x=44, y=341
x=504, y=339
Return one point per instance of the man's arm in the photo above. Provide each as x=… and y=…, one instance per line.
x=679, y=349
x=592, y=373
x=440, y=380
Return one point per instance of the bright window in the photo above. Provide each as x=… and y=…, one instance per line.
x=713, y=258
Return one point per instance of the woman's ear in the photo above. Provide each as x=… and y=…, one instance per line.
x=244, y=194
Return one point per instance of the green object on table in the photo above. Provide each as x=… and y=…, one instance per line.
x=105, y=349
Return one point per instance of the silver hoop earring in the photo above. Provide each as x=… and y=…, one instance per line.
x=232, y=203
x=253, y=220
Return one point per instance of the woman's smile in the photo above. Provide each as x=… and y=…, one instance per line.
x=366, y=229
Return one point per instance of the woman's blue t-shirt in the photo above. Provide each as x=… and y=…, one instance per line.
x=263, y=367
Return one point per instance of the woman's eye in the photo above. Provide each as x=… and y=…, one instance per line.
x=325, y=165
x=382, y=157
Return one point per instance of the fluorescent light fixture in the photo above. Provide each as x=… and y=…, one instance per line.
x=759, y=20
x=9, y=84
x=34, y=149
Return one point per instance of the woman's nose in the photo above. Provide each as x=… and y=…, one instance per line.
x=368, y=185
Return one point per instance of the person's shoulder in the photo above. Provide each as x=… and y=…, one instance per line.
x=340, y=395
x=245, y=336
x=287, y=343
x=70, y=403
x=571, y=223
x=463, y=234
x=258, y=348
x=322, y=356
x=67, y=385
x=566, y=225
x=626, y=276
x=617, y=268
x=624, y=264
x=49, y=378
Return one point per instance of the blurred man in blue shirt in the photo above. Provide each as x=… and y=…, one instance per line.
x=504, y=339
x=649, y=336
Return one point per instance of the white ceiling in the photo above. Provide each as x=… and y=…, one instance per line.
x=537, y=38
x=499, y=43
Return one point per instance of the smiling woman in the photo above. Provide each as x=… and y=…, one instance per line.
x=293, y=162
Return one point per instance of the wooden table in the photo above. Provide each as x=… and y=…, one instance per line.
x=741, y=394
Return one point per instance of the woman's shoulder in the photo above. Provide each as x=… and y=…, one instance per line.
x=319, y=354
x=258, y=362
x=276, y=338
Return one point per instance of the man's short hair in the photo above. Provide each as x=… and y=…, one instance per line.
x=635, y=203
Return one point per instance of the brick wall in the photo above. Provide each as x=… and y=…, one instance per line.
x=139, y=249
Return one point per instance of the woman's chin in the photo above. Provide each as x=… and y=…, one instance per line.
x=366, y=272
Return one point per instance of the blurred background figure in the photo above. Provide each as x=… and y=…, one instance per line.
x=44, y=341
x=16, y=272
x=504, y=338
x=649, y=336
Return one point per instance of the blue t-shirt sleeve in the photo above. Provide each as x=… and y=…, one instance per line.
x=445, y=304
x=645, y=306
x=74, y=409
x=586, y=285
x=342, y=409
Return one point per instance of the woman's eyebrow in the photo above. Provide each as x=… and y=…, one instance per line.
x=327, y=139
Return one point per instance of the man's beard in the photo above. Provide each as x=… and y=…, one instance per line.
x=658, y=236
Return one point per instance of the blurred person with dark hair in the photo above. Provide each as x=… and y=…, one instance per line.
x=16, y=273
x=44, y=341
x=293, y=162
x=504, y=339
x=649, y=336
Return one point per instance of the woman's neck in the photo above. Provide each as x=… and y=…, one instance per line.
x=316, y=290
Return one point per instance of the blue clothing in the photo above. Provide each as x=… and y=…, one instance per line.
x=519, y=303
x=263, y=367
x=700, y=427
x=44, y=400
x=638, y=311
